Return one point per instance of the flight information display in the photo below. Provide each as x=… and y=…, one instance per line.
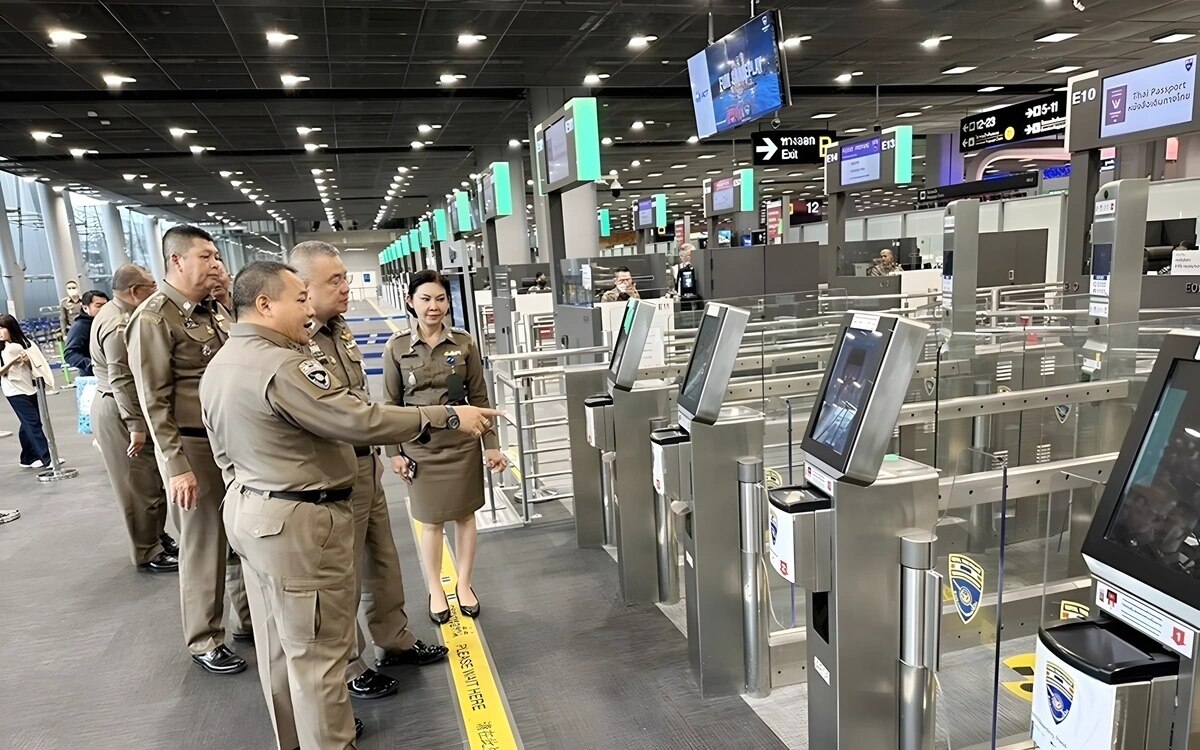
x=739, y=78
x=557, y=167
x=1148, y=98
x=861, y=161
x=1158, y=514
x=645, y=213
x=850, y=384
x=723, y=195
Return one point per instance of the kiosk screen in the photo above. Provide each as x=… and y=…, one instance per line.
x=458, y=302
x=1158, y=514
x=557, y=166
x=850, y=384
x=701, y=362
x=622, y=336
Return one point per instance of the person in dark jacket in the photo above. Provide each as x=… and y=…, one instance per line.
x=77, y=352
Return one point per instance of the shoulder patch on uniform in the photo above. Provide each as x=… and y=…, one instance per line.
x=313, y=370
x=150, y=317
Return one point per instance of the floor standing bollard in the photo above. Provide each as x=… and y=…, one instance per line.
x=756, y=643
x=55, y=473
x=920, y=638
x=668, y=540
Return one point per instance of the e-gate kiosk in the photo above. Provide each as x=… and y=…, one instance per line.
x=858, y=537
x=1127, y=677
x=696, y=465
x=649, y=215
x=628, y=494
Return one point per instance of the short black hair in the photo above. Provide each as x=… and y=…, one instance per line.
x=260, y=277
x=93, y=294
x=622, y=269
x=428, y=276
x=178, y=240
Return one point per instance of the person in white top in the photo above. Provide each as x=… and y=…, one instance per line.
x=21, y=363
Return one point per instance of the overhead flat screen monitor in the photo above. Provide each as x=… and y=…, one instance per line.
x=645, y=213
x=556, y=153
x=853, y=419
x=739, y=78
x=861, y=162
x=702, y=390
x=1159, y=96
x=627, y=352
x=724, y=195
x=489, y=196
x=1147, y=526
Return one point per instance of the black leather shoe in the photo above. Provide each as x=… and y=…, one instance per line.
x=247, y=637
x=372, y=685
x=472, y=611
x=419, y=655
x=220, y=661
x=359, y=727
x=168, y=544
x=162, y=563
x=439, y=618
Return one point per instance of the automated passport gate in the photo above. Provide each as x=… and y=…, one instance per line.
x=861, y=524
x=619, y=423
x=1127, y=678
x=696, y=465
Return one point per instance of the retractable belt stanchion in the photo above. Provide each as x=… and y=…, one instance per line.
x=55, y=473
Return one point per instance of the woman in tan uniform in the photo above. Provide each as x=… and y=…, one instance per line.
x=431, y=364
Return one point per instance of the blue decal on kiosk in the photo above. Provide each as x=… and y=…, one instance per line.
x=966, y=579
x=1060, y=692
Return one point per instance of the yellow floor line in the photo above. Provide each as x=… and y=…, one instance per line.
x=480, y=701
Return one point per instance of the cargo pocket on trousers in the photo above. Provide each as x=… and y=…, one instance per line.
x=301, y=607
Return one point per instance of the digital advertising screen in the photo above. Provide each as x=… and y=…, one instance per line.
x=1158, y=514
x=1159, y=96
x=555, y=155
x=850, y=384
x=861, y=161
x=739, y=78
x=645, y=213
x=724, y=195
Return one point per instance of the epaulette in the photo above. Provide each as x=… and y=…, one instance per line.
x=405, y=332
x=460, y=330
x=151, y=308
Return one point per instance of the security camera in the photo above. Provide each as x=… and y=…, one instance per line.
x=877, y=128
x=615, y=187
x=775, y=123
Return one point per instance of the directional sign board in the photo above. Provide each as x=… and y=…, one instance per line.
x=1020, y=122
x=791, y=146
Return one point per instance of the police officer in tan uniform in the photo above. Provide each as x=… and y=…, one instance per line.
x=380, y=582
x=172, y=337
x=69, y=307
x=283, y=429
x=120, y=428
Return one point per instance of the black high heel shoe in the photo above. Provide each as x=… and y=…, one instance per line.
x=439, y=618
x=471, y=612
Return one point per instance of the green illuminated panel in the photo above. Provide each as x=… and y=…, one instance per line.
x=746, y=200
x=426, y=236
x=441, y=231
x=502, y=185
x=605, y=223
x=660, y=210
x=462, y=204
x=904, y=153
x=414, y=240
x=587, y=138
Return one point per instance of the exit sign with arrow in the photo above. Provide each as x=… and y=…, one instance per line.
x=791, y=146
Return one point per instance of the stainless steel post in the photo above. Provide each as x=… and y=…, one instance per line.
x=979, y=533
x=668, y=540
x=526, y=493
x=608, y=465
x=920, y=638
x=756, y=636
x=55, y=473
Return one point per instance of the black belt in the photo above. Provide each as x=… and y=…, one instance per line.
x=362, y=451
x=306, y=496
x=194, y=432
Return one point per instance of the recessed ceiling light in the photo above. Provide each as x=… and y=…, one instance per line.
x=1171, y=38
x=824, y=115
x=310, y=147
x=637, y=125
x=1058, y=36
x=655, y=174
x=302, y=130
x=417, y=144
x=794, y=41
x=62, y=36
x=854, y=130
x=934, y=41
x=291, y=80
x=165, y=193
x=678, y=166
x=707, y=156
x=114, y=81
x=958, y=70
x=990, y=89
x=909, y=114
x=641, y=41
x=280, y=37
x=197, y=149
x=843, y=78
x=1064, y=69
x=79, y=152
x=245, y=191
x=591, y=79
x=41, y=135
x=468, y=39
x=450, y=77
x=181, y=132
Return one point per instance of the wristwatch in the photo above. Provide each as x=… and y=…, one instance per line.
x=452, y=420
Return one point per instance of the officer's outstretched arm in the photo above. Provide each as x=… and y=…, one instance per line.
x=303, y=393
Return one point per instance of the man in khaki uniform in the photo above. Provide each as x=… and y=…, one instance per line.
x=172, y=337
x=69, y=308
x=120, y=428
x=379, y=580
x=282, y=430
